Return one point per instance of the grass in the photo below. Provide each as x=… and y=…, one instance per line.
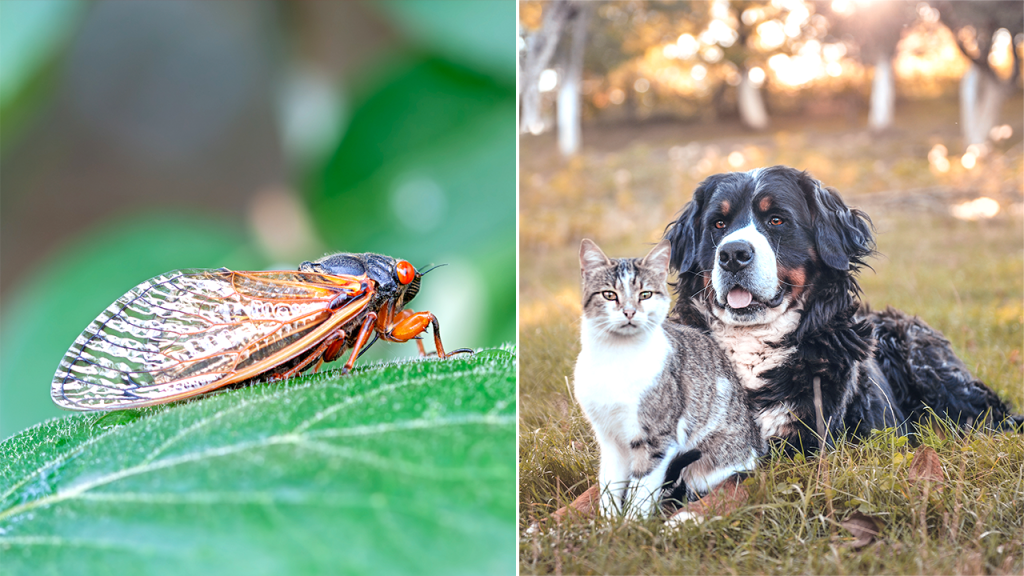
x=791, y=524
x=964, y=278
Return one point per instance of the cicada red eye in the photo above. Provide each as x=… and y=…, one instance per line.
x=406, y=272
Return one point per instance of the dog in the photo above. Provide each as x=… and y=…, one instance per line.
x=768, y=263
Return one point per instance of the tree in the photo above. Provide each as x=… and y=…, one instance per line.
x=763, y=29
x=569, y=105
x=982, y=91
x=875, y=30
x=749, y=101
x=534, y=59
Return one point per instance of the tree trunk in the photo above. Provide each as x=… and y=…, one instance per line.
x=981, y=98
x=982, y=95
x=569, y=115
x=540, y=47
x=992, y=94
x=883, y=95
x=569, y=100
x=969, y=102
x=751, y=105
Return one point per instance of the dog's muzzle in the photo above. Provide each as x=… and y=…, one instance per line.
x=745, y=271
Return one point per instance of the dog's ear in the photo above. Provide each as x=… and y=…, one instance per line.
x=843, y=237
x=684, y=234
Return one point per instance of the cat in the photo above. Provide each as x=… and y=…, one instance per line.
x=662, y=398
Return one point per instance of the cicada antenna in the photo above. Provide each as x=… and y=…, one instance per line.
x=424, y=273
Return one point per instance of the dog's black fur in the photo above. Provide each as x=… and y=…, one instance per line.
x=876, y=369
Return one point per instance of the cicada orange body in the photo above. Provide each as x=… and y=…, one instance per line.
x=189, y=332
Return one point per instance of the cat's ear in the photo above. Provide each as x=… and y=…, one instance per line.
x=658, y=257
x=591, y=256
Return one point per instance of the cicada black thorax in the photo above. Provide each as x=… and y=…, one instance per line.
x=395, y=282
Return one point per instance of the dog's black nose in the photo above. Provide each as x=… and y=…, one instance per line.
x=735, y=255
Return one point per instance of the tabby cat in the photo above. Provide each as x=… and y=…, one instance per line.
x=659, y=396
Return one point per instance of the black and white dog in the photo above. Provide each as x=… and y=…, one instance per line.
x=767, y=263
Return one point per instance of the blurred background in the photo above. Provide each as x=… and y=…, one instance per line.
x=912, y=110
x=138, y=138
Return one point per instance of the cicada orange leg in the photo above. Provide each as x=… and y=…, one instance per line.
x=401, y=327
x=328, y=350
x=406, y=325
x=365, y=330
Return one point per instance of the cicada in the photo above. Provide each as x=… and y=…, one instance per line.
x=189, y=332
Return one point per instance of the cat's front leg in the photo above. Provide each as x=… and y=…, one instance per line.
x=613, y=478
x=644, y=494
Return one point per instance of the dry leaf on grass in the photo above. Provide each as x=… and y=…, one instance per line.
x=723, y=500
x=864, y=528
x=585, y=505
x=926, y=466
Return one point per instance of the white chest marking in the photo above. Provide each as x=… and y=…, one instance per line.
x=610, y=379
x=772, y=420
x=754, y=349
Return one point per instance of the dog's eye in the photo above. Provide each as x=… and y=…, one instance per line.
x=609, y=295
x=775, y=221
x=720, y=224
x=646, y=294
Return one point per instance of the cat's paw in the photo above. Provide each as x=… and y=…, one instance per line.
x=680, y=518
x=723, y=500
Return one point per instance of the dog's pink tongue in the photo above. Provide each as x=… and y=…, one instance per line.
x=739, y=298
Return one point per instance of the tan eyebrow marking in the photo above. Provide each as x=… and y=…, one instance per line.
x=765, y=203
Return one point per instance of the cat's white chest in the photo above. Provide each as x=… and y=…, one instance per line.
x=610, y=379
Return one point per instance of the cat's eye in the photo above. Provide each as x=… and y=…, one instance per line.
x=609, y=295
x=720, y=224
x=646, y=294
x=775, y=221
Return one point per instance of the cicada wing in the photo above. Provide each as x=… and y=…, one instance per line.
x=191, y=331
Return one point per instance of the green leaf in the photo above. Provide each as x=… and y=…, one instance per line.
x=425, y=160
x=48, y=311
x=32, y=35
x=476, y=34
x=406, y=467
x=426, y=172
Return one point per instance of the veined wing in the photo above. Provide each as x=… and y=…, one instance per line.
x=191, y=331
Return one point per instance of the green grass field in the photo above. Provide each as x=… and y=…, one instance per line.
x=965, y=278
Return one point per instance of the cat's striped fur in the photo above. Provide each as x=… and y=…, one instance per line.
x=660, y=396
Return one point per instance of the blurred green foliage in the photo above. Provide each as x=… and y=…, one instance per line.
x=443, y=134
x=32, y=34
x=436, y=112
x=468, y=32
